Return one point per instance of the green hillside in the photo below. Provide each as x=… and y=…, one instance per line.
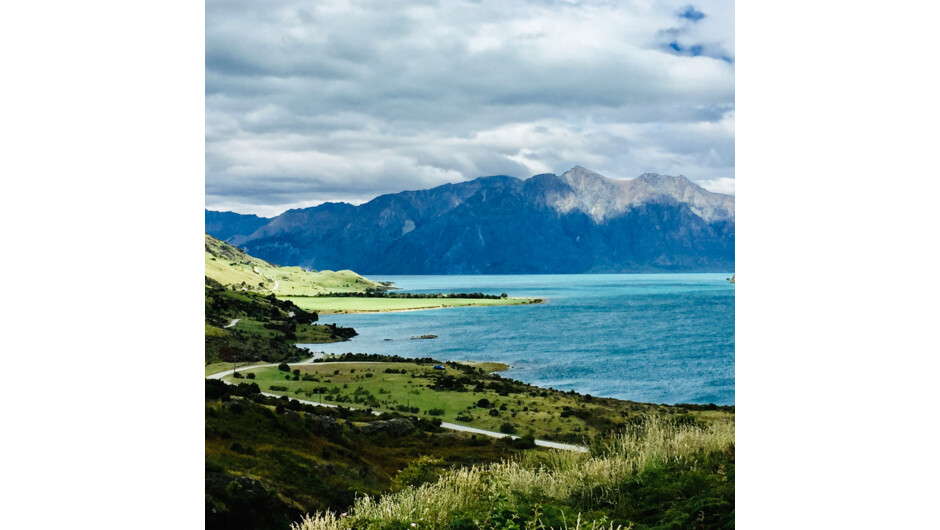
x=245, y=326
x=656, y=474
x=269, y=461
x=232, y=266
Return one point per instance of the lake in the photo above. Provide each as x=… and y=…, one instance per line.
x=659, y=338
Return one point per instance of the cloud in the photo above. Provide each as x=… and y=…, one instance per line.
x=346, y=99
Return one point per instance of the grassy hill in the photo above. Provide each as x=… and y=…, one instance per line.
x=246, y=326
x=269, y=461
x=656, y=474
x=230, y=265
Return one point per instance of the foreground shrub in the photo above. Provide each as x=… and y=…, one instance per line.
x=657, y=473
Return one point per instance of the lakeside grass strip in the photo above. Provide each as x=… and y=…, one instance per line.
x=337, y=304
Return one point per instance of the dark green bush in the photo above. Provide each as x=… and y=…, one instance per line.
x=524, y=442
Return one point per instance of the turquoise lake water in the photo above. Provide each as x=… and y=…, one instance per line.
x=659, y=338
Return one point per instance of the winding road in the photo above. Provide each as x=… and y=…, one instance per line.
x=451, y=426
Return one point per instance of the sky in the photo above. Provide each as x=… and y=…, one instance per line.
x=338, y=100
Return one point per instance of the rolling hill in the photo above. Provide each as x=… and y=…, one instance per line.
x=232, y=266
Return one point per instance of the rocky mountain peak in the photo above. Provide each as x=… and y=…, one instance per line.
x=603, y=198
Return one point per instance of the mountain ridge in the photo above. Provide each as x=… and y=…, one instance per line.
x=580, y=221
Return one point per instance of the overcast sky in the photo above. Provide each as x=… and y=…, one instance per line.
x=315, y=101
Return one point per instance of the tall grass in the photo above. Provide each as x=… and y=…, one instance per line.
x=561, y=476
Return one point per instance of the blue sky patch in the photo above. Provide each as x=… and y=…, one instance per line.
x=694, y=50
x=690, y=13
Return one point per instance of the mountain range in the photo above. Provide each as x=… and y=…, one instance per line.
x=577, y=222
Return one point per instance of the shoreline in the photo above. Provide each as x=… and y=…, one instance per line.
x=522, y=301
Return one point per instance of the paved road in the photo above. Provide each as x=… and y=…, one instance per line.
x=452, y=426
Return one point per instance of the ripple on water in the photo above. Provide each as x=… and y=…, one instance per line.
x=661, y=338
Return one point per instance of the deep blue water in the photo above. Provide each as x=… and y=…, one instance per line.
x=660, y=338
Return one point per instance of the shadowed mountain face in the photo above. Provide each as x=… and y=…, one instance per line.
x=577, y=222
x=232, y=227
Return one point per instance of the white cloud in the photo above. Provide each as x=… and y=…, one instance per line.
x=719, y=185
x=344, y=100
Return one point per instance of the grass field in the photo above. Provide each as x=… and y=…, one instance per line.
x=330, y=304
x=215, y=368
x=419, y=389
x=231, y=266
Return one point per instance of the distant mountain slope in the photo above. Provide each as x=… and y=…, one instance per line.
x=577, y=222
x=229, y=265
x=228, y=226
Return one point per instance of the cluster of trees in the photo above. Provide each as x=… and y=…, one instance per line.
x=378, y=293
x=242, y=347
x=446, y=383
x=374, y=357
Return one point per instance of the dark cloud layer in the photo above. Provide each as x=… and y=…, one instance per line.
x=344, y=100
